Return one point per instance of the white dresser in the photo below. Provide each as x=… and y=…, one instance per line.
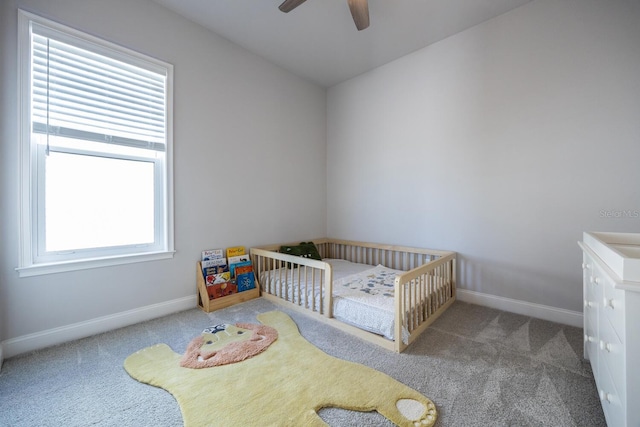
x=611, y=286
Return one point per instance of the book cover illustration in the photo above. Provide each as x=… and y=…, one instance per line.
x=214, y=266
x=221, y=290
x=210, y=254
x=214, y=279
x=232, y=267
x=213, y=262
x=235, y=251
x=238, y=258
x=245, y=279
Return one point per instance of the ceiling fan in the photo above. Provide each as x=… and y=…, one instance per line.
x=359, y=10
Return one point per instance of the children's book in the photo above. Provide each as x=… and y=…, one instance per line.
x=232, y=267
x=214, y=279
x=214, y=266
x=235, y=251
x=238, y=258
x=212, y=254
x=244, y=268
x=245, y=279
x=221, y=289
x=214, y=262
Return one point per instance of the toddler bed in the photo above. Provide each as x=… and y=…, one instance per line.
x=385, y=294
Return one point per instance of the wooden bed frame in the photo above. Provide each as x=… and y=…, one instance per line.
x=422, y=293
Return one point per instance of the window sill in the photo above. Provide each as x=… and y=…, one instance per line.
x=41, y=269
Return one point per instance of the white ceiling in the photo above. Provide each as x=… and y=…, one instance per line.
x=319, y=41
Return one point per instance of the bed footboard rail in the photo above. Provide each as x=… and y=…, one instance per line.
x=422, y=294
x=305, y=282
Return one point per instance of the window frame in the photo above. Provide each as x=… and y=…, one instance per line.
x=31, y=262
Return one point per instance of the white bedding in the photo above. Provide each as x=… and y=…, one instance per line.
x=363, y=295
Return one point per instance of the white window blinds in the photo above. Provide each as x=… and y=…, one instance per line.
x=94, y=95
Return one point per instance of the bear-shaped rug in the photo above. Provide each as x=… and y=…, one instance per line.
x=284, y=385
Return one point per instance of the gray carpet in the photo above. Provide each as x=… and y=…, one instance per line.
x=480, y=366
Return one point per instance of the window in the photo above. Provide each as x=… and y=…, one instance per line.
x=96, y=151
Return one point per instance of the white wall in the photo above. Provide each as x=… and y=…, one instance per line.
x=510, y=137
x=249, y=143
x=503, y=143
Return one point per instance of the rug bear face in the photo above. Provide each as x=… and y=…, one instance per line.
x=219, y=336
x=223, y=344
x=285, y=385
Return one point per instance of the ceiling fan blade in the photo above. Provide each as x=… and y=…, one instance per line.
x=360, y=13
x=289, y=5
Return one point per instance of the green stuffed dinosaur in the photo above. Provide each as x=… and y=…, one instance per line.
x=284, y=385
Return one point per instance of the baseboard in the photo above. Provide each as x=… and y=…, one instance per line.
x=15, y=346
x=55, y=336
x=539, y=311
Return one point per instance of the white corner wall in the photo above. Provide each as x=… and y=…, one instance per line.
x=249, y=143
x=503, y=143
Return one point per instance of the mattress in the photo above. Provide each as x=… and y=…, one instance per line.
x=362, y=294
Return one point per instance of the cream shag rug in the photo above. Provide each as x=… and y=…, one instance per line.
x=285, y=385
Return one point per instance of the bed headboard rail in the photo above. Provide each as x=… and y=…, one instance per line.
x=391, y=256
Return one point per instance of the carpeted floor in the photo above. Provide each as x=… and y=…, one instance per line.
x=480, y=366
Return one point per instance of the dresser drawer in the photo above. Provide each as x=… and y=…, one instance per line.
x=591, y=349
x=591, y=320
x=593, y=283
x=613, y=308
x=591, y=304
x=587, y=267
x=611, y=354
x=612, y=405
x=592, y=298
